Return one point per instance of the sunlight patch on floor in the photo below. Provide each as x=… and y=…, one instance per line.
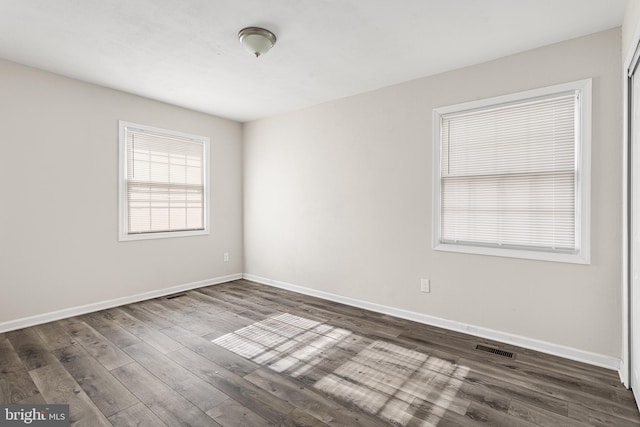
x=394, y=383
x=283, y=342
x=398, y=384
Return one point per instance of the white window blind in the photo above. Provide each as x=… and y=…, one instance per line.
x=165, y=181
x=509, y=175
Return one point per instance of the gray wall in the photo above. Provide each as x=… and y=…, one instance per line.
x=59, y=187
x=337, y=198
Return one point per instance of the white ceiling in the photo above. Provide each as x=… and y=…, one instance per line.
x=186, y=52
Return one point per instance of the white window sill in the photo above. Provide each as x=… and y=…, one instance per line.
x=163, y=235
x=579, y=258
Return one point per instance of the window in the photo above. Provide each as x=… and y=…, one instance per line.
x=164, y=183
x=511, y=175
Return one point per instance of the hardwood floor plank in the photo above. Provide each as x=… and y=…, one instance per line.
x=36, y=399
x=191, y=302
x=519, y=374
x=505, y=377
x=97, y=346
x=484, y=397
x=538, y=389
x=215, y=296
x=354, y=325
x=108, y=394
x=242, y=391
x=33, y=352
x=54, y=335
x=196, y=322
x=171, y=316
x=149, y=335
x=103, y=323
x=571, y=372
x=137, y=415
x=231, y=414
x=242, y=304
x=300, y=418
x=539, y=417
x=315, y=404
x=171, y=407
x=298, y=309
x=597, y=418
x=16, y=387
x=558, y=368
x=229, y=321
x=148, y=318
x=213, y=352
x=488, y=416
x=211, y=295
x=190, y=386
x=226, y=322
x=58, y=386
x=518, y=391
x=16, y=384
x=568, y=377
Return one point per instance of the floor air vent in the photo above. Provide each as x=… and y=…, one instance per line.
x=176, y=296
x=495, y=351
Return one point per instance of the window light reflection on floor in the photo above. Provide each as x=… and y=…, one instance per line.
x=283, y=341
x=383, y=379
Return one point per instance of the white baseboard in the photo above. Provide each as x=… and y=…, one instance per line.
x=504, y=337
x=83, y=309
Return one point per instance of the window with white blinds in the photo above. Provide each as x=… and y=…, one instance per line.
x=512, y=175
x=163, y=183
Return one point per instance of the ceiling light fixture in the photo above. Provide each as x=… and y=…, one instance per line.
x=257, y=40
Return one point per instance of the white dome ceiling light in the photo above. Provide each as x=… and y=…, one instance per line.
x=256, y=40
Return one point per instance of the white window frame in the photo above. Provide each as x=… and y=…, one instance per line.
x=583, y=181
x=124, y=235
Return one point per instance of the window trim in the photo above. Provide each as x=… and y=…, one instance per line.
x=123, y=217
x=583, y=192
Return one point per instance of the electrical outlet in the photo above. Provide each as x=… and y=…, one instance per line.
x=425, y=285
x=225, y=257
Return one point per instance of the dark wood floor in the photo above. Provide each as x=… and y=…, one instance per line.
x=243, y=354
